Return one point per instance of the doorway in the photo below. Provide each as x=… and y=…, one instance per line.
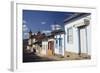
x=82, y=33
x=50, y=48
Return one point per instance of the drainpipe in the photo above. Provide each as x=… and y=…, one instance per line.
x=86, y=40
x=79, y=41
x=64, y=45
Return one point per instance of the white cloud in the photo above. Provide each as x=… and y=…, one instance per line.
x=25, y=28
x=55, y=27
x=24, y=22
x=43, y=22
x=26, y=35
x=46, y=31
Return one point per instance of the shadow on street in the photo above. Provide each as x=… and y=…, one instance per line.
x=31, y=57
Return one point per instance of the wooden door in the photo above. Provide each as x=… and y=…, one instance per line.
x=50, y=47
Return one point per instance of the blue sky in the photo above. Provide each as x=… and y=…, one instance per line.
x=42, y=20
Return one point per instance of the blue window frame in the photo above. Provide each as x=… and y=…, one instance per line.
x=60, y=42
x=56, y=43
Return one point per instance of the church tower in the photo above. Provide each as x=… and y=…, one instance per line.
x=30, y=41
x=30, y=34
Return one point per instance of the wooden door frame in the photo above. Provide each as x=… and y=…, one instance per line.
x=49, y=46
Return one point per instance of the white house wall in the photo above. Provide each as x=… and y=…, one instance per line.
x=29, y=42
x=74, y=47
x=56, y=50
x=89, y=39
x=83, y=40
x=44, y=47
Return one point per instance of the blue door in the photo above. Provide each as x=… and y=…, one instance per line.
x=60, y=45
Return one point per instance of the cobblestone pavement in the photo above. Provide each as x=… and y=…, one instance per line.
x=68, y=56
x=31, y=57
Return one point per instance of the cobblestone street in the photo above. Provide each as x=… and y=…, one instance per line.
x=41, y=58
x=68, y=56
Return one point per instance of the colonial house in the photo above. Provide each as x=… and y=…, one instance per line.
x=30, y=41
x=74, y=38
x=35, y=42
x=50, y=50
x=47, y=44
x=77, y=37
x=59, y=42
x=44, y=46
x=54, y=44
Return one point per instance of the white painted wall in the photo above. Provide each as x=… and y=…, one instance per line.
x=83, y=40
x=33, y=40
x=29, y=42
x=73, y=47
x=56, y=49
x=89, y=38
x=44, y=47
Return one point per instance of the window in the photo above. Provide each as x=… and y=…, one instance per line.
x=60, y=42
x=56, y=43
x=70, y=35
